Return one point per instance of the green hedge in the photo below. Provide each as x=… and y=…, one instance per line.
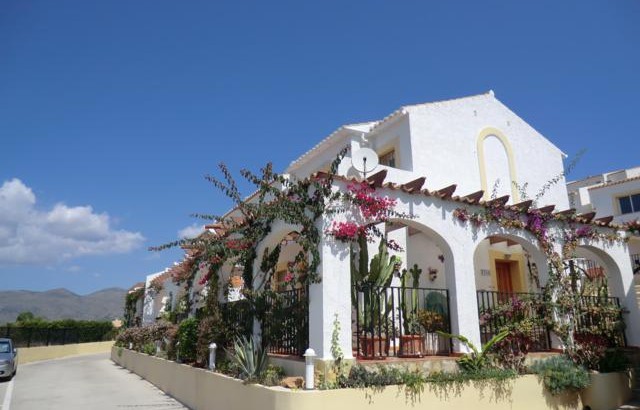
x=44, y=333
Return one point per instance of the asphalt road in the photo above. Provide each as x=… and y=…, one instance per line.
x=91, y=382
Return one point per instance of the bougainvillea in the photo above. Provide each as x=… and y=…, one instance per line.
x=366, y=210
x=562, y=293
x=346, y=231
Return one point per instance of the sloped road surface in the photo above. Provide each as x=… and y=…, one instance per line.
x=91, y=382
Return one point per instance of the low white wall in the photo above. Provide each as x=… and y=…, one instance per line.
x=35, y=354
x=202, y=389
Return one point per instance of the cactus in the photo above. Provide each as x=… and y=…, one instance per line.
x=409, y=311
x=373, y=279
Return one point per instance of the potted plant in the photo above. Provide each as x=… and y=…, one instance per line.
x=431, y=322
x=411, y=340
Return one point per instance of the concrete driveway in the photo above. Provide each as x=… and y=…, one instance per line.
x=91, y=382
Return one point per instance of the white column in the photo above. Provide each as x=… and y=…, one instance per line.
x=622, y=286
x=330, y=297
x=463, y=303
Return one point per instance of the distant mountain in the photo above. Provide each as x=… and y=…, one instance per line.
x=106, y=304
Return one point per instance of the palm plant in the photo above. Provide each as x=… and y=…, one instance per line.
x=478, y=359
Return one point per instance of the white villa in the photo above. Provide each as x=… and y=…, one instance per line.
x=614, y=193
x=435, y=158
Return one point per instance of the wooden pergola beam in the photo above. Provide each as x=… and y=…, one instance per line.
x=446, y=192
x=415, y=185
x=376, y=180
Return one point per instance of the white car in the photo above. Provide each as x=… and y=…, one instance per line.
x=8, y=359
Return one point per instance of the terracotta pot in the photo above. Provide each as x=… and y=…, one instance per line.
x=374, y=347
x=411, y=346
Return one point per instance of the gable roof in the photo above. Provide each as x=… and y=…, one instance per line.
x=373, y=127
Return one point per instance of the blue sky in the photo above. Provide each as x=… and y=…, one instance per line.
x=112, y=112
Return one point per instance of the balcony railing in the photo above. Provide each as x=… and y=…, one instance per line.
x=498, y=310
x=602, y=315
x=399, y=321
x=596, y=315
x=635, y=263
x=285, y=325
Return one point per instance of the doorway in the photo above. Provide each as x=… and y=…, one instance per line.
x=504, y=276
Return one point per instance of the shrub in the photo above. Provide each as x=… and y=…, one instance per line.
x=38, y=331
x=590, y=350
x=360, y=377
x=443, y=378
x=614, y=360
x=272, y=376
x=149, y=348
x=511, y=352
x=478, y=359
x=140, y=336
x=212, y=328
x=560, y=374
x=188, y=337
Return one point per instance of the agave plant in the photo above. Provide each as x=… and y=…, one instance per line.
x=478, y=359
x=249, y=358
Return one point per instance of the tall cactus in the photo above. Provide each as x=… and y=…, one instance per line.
x=373, y=279
x=409, y=312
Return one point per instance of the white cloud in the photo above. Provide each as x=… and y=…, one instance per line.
x=190, y=231
x=38, y=237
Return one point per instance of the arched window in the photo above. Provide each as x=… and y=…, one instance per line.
x=497, y=166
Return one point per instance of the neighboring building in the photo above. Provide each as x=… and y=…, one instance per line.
x=475, y=147
x=133, y=312
x=614, y=193
x=160, y=296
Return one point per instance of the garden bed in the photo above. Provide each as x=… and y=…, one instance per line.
x=202, y=389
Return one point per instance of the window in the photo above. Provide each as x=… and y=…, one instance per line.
x=629, y=204
x=388, y=159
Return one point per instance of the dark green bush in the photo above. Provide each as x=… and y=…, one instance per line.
x=188, y=339
x=38, y=332
x=560, y=374
x=614, y=360
x=149, y=348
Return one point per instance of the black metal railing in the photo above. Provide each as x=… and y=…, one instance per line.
x=635, y=262
x=590, y=268
x=595, y=315
x=602, y=316
x=28, y=336
x=499, y=310
x=238, y=318
x=400, y=321
x=285, y=322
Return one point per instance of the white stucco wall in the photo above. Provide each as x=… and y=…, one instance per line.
x=149, y=311
x=440, y=141
x=605, y=200
x=422, y=250
x=444, y=140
